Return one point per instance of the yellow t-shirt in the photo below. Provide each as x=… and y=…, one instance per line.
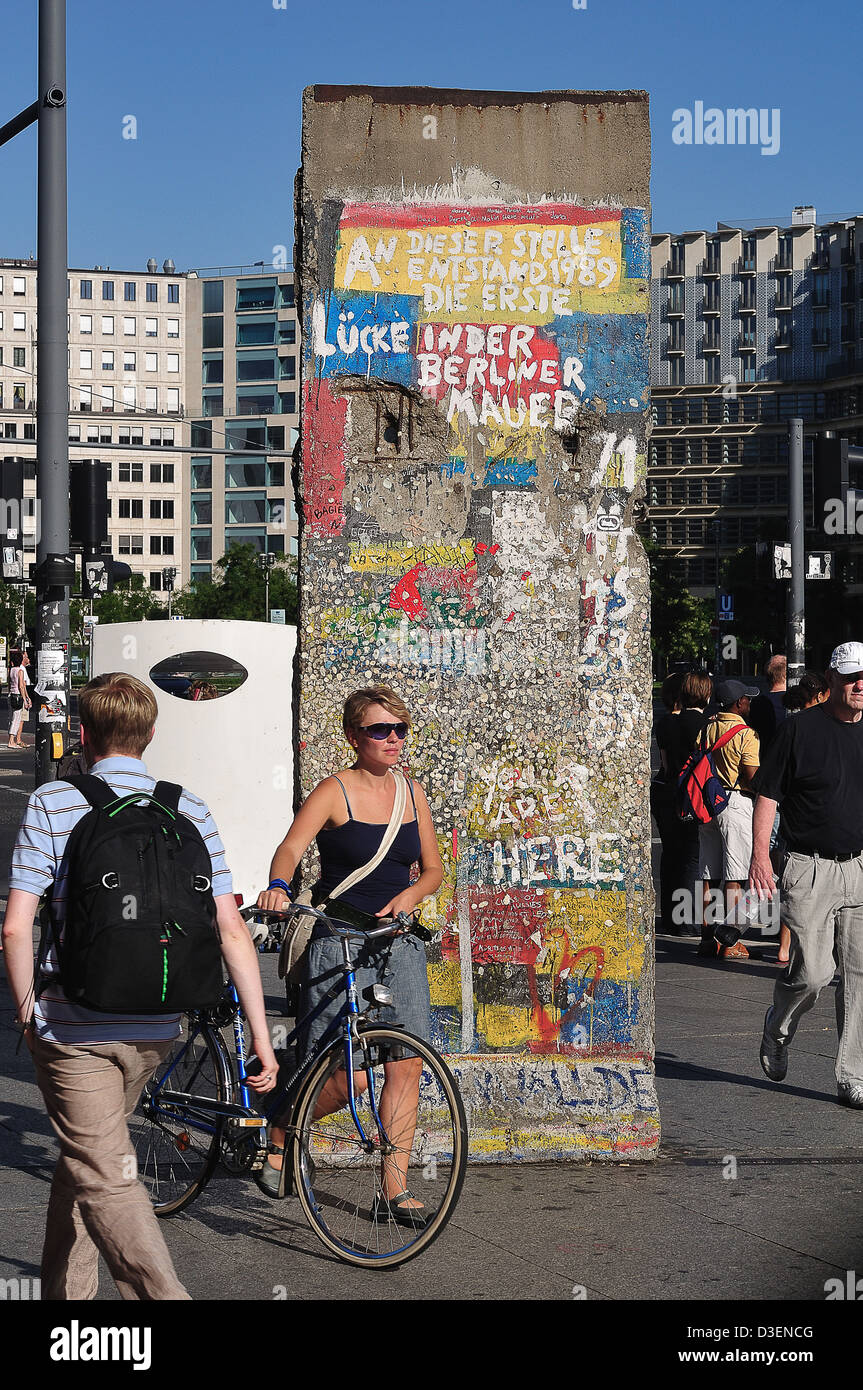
x=742, y=748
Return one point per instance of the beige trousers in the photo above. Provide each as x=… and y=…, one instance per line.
x=97, y=1206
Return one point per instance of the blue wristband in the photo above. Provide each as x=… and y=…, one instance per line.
x=280, y=883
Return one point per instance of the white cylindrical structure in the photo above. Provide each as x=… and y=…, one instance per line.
x=236, y=751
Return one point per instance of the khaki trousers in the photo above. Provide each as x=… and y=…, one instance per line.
x=97, y=1206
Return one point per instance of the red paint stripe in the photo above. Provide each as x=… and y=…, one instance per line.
x=460, y=215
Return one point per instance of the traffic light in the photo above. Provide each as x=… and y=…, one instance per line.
x=88, y=504
x=831, y=477
x=11, y=510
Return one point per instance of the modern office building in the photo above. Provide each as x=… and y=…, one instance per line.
x=242, y=390
x=126, y=399
x=750, y=326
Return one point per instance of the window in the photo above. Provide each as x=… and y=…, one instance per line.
x=257, y=400
x=172, y=400
x=85, y=359
x=85, y=323
x=213, y=368
x=155, y=435
x=287, y=296
x=152, y=292
x=107, y=360
x=202, y=473
x=74, y=434
x=168, y=440
x=151, y=398
x=108, y=324
x=173, y=294
x=85, y=398
x=257, y=330
x=173, y=326
x=130, y=472
x=19, y=322
x=85, y=289
x=108, y=290
x=128, y=399
x=245, y=509
x=129, y=327
x=19, y=284
x=212, y=332
x=129, y=359
x=256, y=295
x=132, y=507
x=173, y=363
x=202, y=513
x=131, y=545
x=155, y=575
x=19, y=357
x=214, y=296
x=19, y=396
x=151, y=361
x=202, y=545
x=163, y=473
x=129, y=291
x=161, y=509
x=288, y=331
x=161, y=545
x=245, y=473
x=257, y=366
x=155, y=545
x=151, y=328
x=10, y=429
x=246, y=434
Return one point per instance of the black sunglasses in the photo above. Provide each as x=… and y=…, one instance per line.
x=382, y=731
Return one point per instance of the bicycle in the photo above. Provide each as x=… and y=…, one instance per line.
x=196, y=1111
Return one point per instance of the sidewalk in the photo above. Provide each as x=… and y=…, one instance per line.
x=681, y=1228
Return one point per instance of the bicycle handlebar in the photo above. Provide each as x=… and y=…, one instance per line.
x=399, y=924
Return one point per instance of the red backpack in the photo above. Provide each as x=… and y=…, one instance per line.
x=700, y=794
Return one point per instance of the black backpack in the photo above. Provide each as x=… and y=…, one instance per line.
x=140, y=932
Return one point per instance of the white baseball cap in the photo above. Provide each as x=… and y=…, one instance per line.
x=848, y=658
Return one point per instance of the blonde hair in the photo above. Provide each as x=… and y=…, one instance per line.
x=357, y=704
x=118, y=711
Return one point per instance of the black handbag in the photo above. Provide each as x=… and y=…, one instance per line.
x=16, y=701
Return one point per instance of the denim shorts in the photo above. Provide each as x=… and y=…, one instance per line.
x=399, y=963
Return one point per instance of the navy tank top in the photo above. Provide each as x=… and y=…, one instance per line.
x=347, y=847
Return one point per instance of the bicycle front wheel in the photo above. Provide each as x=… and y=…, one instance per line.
x=343, y=1175
x=176, y=1143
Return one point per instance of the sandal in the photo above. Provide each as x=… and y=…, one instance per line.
x=388, y=1209
x=269, y=1179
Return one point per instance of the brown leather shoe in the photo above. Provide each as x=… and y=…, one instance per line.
x=736, y=952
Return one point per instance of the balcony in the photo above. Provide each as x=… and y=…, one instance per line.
x=745, y=265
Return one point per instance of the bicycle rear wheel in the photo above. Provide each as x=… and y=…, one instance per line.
x=177, y=1145
x=340, y=1181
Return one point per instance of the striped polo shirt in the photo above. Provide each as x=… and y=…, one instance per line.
x=53, y=811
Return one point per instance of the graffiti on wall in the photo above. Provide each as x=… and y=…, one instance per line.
x=489, y=572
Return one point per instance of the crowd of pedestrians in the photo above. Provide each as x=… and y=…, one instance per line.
x=790, y=764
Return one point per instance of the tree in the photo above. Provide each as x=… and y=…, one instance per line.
x=238, y=590
x=680, y=623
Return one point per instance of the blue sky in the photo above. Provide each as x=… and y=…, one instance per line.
x=209, y=178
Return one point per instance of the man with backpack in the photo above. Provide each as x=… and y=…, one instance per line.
x=141, y=914
x=726, y=840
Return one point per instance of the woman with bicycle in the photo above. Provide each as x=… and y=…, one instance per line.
x=349, y=814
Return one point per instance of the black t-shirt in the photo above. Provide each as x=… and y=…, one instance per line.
x=814, y=769
x=677, y=735
x=766, y=713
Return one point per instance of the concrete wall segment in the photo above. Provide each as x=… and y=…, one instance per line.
x=473, y=455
